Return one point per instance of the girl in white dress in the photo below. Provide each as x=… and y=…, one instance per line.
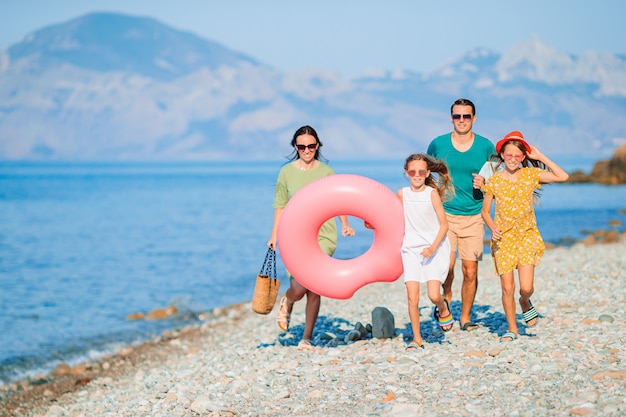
x=425, y=249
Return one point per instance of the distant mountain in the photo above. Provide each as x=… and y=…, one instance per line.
x=105, y=42
x=112, y=87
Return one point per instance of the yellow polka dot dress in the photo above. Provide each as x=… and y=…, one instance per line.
x=521, y=242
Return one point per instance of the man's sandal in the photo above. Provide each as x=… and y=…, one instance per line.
x=283, y=315
x=469, y=326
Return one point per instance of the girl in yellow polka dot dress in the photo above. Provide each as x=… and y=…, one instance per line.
x=515, y=239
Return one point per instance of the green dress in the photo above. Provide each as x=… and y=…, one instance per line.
x=290, y=180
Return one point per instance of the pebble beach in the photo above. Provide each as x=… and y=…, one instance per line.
x=238, y=363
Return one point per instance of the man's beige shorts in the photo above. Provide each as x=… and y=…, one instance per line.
x=466, y=233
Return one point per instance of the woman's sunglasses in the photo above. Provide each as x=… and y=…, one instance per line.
x=311, y=147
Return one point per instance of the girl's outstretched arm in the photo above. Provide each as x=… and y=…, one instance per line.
x=556, y=173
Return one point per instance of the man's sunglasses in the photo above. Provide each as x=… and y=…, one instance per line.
x=464, y=116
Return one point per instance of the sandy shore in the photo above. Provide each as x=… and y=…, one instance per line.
x=240, y=364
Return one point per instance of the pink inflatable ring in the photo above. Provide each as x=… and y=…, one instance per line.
x=323, y=199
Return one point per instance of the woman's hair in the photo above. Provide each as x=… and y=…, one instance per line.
x=305, y=130
x=442, y=182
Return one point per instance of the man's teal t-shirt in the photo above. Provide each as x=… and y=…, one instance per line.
x=467, y=200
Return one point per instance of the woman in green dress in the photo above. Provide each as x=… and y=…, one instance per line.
x=304, y=167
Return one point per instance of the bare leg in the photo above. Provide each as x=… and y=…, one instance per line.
x=436, y=298
x=313, y=302
x=508, y=300
x=526, y=287
x=413, y=296
x=434, y=293
x=468, y=289
x=294, y=293
x=447, y=284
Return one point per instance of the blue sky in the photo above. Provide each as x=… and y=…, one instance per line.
x=352, y=36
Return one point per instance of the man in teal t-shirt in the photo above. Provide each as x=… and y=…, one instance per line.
x=464, y=152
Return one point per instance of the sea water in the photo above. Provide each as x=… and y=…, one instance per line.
x=84, y=245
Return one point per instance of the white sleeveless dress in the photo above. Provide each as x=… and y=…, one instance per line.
x=421, y=226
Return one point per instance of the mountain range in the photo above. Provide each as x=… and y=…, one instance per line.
x=108, y=86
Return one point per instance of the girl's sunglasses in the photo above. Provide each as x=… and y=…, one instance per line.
x=419, y=172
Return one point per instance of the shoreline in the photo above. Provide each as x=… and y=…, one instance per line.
x=575, y=349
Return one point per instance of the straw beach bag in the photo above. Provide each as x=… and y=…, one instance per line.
x=266, y=287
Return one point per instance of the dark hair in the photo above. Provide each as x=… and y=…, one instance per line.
x=305, y=130
x=442, y=183
x=463, y=102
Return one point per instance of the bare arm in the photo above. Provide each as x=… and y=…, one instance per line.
x=443, y=225
x=346, y=230
x=277, y=215
x=496, y=232
x=556, y=173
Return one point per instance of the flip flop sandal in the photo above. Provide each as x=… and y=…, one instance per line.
x=508, y=337
x=444, y=322
x=469, y=326
x=530, y=315
x=305, y=344
x=414, y=346
x=283, y=315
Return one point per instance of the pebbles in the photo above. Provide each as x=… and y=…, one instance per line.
x=571, y=363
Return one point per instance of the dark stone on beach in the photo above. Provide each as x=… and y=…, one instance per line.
x=383, y=323
x=362, y=329
x=352, y=336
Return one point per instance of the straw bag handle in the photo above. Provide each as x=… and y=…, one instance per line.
x=269, y=264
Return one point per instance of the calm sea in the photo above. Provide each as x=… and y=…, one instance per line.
x=84, y=245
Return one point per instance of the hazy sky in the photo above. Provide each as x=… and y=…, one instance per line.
x=352, y=36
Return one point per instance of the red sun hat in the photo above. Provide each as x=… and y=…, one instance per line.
x=512, y=136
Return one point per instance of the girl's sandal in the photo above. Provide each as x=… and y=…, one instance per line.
x=508, y=336
x=414, y=346
x=445, y=322
x=283, y=315
x=531, y=317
